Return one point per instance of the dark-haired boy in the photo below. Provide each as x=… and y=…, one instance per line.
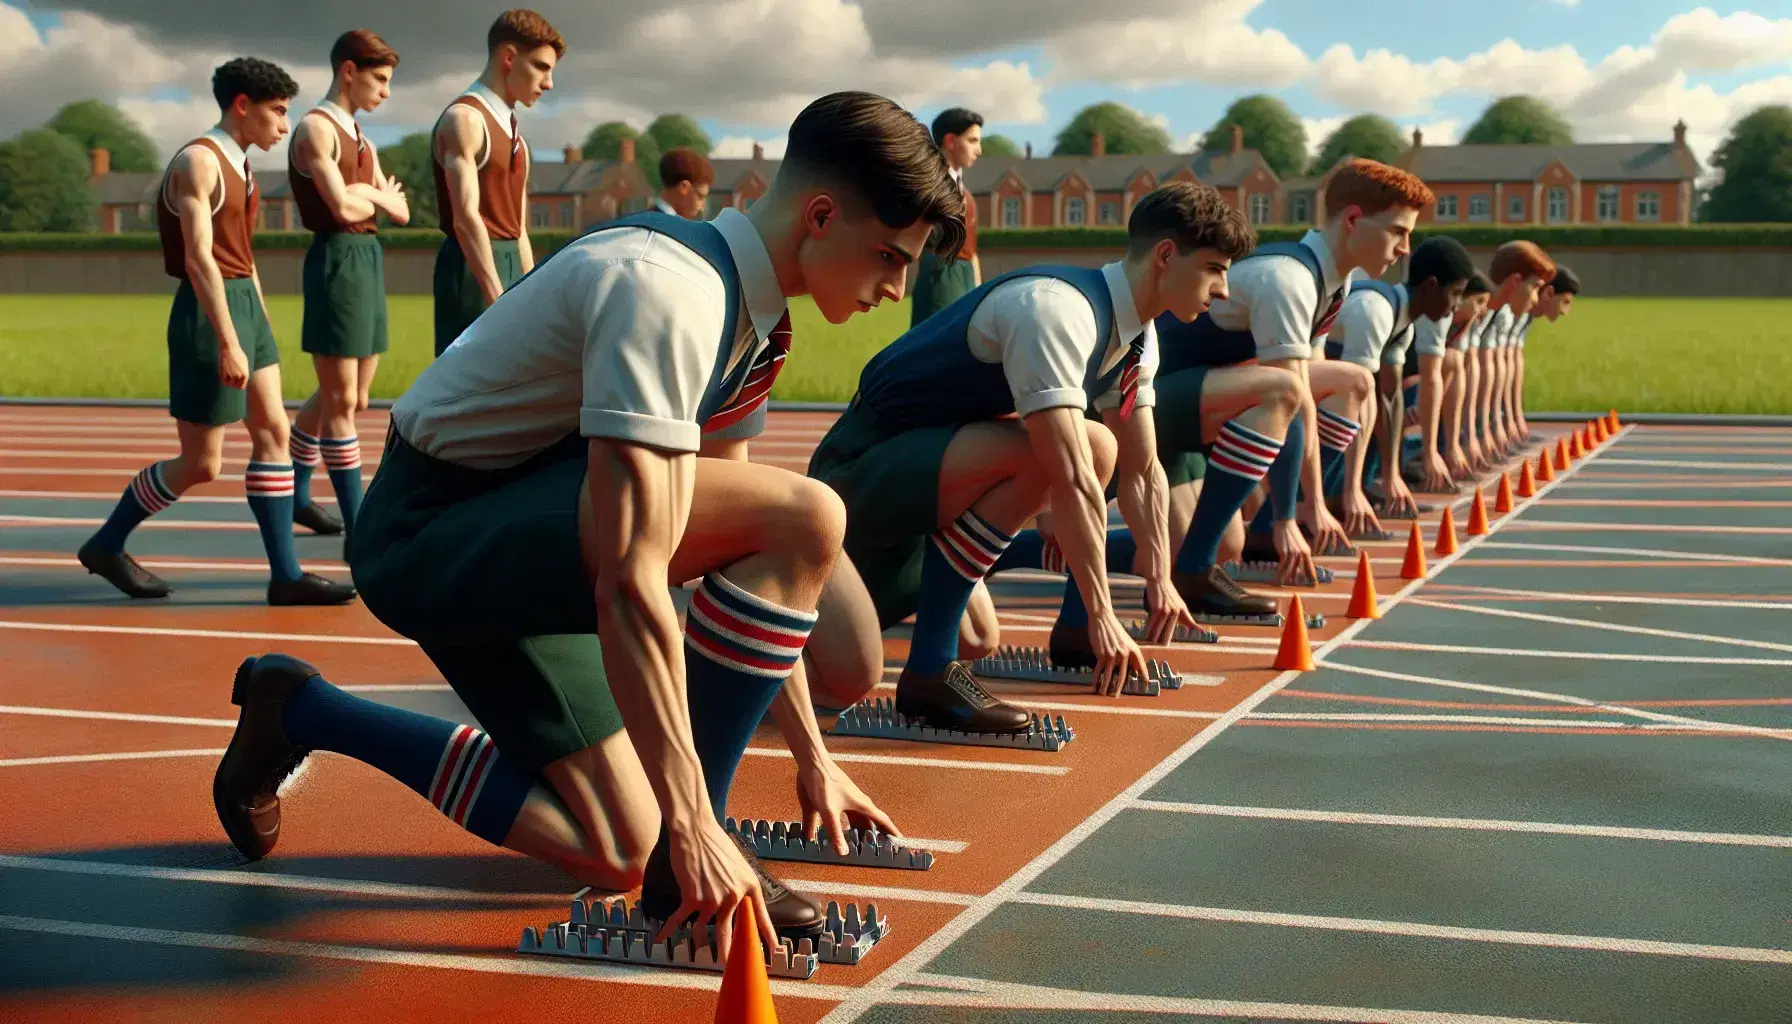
x=940, y=282
x=223, y=366
x=339, y=190
x=1441, y=459
x=541, y=487
x=685, y=178
x=481, y=166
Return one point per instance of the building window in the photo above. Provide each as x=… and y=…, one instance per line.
x=1110, y=213
x=1606, y=208
x=1648, y=206
x=1302, y=212
x=1558, y=205
x=538, y=215
x=1011, y=211
x=1515, y=208
x=1446, y=207
x=1259, y=208
x=1480, y=206
x=1076, y=211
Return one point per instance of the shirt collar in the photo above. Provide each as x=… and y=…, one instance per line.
x=1126, y=308
x=232, y=152
x=1328, y=267
x=501, y=112
x=335, y=112
x=957, y=175
x=663, y=206
x=758, y=281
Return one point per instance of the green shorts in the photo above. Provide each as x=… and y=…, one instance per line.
x=938, y=285
x=1180, y=446
x=458, y=298
x=483, y=570
x=890, y=484
x=195, y=394
x=345, y=297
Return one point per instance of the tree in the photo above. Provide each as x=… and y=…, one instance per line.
x=1000, y=145
x=671, y=131
x=1270, y=128
x=96, y=125
x=1518, y=120
x=605, y=143
x=409, y=162
x=1756, y=161
x=1123, y=130
x=43, y=184
x=1369, y=136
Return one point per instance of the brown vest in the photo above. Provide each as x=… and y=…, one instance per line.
x=500, y=180
x=233, y=224
x=354, y=161
x=970, y=226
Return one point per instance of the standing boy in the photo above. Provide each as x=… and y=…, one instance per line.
x=339, y=189
x=223, y=366
x=540, y=488
x=939, y=282
x=685, y=178
x=482, y=172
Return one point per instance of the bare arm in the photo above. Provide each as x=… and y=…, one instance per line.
x=1311, y=480
x=1143, y=491
x=192, y=181
x=1390, y=425
x=314, y=151
x=458, y=142
x=387, y=193
x=525, y=253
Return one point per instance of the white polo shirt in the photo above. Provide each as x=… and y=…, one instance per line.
x=1372, y=330
x=1042, y=331
x=614, y=336
x=1275, y=299
x=1499, y=329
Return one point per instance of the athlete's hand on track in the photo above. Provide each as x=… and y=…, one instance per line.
x=714, y=878
x=1167, y=611
x=1296, y=558
x=832, y=801
x=1116, y=654
x=1400, y=499
x=233, y=366
x=1437, y=475
x=1329, y=537
x=1359, y=515
x=1459, y=468
x=1477, y=459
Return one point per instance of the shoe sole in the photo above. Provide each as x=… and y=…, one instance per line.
x=234, y=820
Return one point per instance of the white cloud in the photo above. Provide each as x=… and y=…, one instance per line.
x=1208, y=41
x=740, y=147
x=1566, y=3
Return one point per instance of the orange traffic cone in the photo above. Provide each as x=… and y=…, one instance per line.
x=1296, y=652
x=746, y=996
x=1545, y=470
x=1477, y=515
x=1583, y=443
x=1414, y=566
x=1446, y=533
x=1362, y=596
x=1612, y=419
x=1562, y=454
x=1527, y=483
x=1502, y=502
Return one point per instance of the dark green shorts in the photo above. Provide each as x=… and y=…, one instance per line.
x=195, y=394
x=1180, y=446
x=483, y=570
x=458, y=298
x=938, y=285
x=345, y=297
x=890, y=484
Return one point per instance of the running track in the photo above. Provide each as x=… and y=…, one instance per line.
x=1551, y=784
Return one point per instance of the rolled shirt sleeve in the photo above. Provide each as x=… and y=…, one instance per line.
x=1042, y=331
x=1366, y=320
x=1430, y=337
x=1283, y=306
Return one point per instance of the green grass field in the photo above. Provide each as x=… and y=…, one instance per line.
x=1635, y=355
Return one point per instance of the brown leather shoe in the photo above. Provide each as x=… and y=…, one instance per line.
x=1217, y=594
x=317, y=519
x=122, y=571
x=795, y=916
x=954, y=699
x=245, y=790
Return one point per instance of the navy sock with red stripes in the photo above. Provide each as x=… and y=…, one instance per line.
x=955, y=559
x=270, y=497
x=147, y=494
x=342, y=456
x=1237, y=461
x=1336, y=435
x=455, y=767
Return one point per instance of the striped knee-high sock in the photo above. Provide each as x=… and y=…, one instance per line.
x=147, y=494
x=342, y=455
x=306, y=457
x=269, y=485
x=1239, y=460
x=739, y=649
x=1336, y=435
x=958, y=556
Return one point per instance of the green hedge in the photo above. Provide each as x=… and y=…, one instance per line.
x=1571, y=236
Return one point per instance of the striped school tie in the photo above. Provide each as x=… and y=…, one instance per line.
x=1129, y=376
x=248, y=179
x=360, y=147
x=1324, y=327
x=516, y=142
x=757, y=388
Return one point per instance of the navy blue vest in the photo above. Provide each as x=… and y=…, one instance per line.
x=929, y=378
x=1205, y=343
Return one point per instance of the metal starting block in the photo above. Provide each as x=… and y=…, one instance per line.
x=1183, y=635
x=1033, y=665
x=1265, y=572
x=1382, y=535
x=879, y=719
x=1314, y=621
x=866, y=848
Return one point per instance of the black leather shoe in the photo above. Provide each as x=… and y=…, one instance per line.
x=1216, y=594
x=245, y=789
x=123, y=572
x=309, y=589
x=317, y=519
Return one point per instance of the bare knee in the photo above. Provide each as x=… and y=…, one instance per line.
x=1361, y=384
x=810, y=524
x=1282, y=393
x=338, y=399
x=204, y=468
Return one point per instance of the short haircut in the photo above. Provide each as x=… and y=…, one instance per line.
x=1374, y=188
x=1442, y=258
x=1566, y=282
x=1522, y=258
x=882, y=156
x=526, y=29
x=1478, y=285
x=954, y=121
x=253, y=77
x=686, y=164
x=1194, y=216
x=363, y=47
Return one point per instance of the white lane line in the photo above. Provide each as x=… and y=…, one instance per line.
x=115, y=716
x=1610, y=627
x=1471, y=824
x=1562, y=526
x=1595, y=481
x=214, y=634
x=1766, y=467
x=931, y=947
x=153, y=456
x=1604, y=943
x=152, y=524
x=185, y=499
x=520, y=966
x=1701, y=724
x=1681, y=556
x=162, y=563
x=140, y=755
x=1438, y=719
x=922, y=762
x=880, y=892
x=1516, y=652
x=121, y=473
x=1585, y=598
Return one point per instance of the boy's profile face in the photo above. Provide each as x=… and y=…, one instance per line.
x=1433, y=300
x=963, y=148
x=1472, y=306
x=528, y=74
x=850, y=260
x=1191, y=282
x=264, y=123
x=1375, y=243
x=368, y=87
